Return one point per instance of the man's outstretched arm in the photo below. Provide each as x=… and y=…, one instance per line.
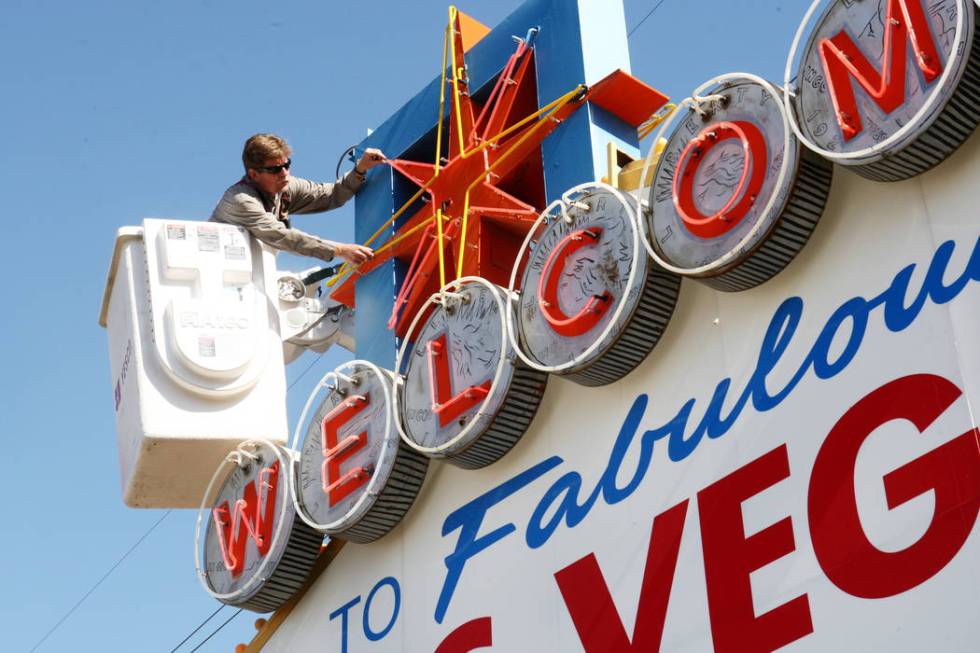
x=311, y=197
x=244, y=210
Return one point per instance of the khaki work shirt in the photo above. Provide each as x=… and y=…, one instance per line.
x=267, y=218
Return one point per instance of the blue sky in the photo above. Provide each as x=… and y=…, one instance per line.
x=116, y=111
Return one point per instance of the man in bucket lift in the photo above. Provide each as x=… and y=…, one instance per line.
x=262, y=200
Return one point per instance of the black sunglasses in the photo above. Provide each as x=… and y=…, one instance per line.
x=275, y=170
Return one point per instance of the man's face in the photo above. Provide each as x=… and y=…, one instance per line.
x=270, y=182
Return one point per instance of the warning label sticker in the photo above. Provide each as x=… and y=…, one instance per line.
x=176, y=232
x=235, y=253
x=207, y=239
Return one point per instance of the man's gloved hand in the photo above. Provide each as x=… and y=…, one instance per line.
x=371, y=157
x=355, y=254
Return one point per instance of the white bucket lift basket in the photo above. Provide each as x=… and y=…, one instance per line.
x=195, y=354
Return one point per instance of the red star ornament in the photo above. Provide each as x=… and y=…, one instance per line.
x=495, y=178
x=494, y=170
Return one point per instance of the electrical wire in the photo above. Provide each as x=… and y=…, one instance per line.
x=200, y=626
x=351, y=152
x=644, y=19
x=227, y=621
x=99, y=582
x=303, y=373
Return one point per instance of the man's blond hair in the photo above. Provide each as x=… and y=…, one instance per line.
x=263, y=147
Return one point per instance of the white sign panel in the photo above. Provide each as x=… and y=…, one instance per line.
x=796, y=466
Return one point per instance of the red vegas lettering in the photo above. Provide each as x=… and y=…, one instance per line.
x=597, y=305
x=951, y=472
x=472, y=635
x=730, y=556
x=444, y=404
x=590, y=603
x=337, y=485
x=842, y=59
x=252, y=517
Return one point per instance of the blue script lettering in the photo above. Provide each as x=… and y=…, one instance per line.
x=468, y=519
x=560, y=502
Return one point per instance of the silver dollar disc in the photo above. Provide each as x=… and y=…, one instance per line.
x=593, y=305
x=735, y=197
x=356, y=478
x=255, y=552
x=886, y=127
x=466, y=396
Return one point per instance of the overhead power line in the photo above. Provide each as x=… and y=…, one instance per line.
x=200, y=626
x=303, y=373
x=99, y=582
x=644, y=19
x=227, y=621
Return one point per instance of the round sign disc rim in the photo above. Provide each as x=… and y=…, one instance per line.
x=370, y=495
x=513, y=323
x=258, y=577
x=449, y=448
x=732, y=256
x=901, y=137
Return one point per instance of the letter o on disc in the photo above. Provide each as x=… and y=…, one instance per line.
x=251, y=550
x=593, y=305
x=889, y=88
x=735, y=196
x=466, y=397
x=355, y=478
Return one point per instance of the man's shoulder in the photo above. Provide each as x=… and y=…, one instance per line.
x=299, y=185
x=240, y=189
x=239, y=200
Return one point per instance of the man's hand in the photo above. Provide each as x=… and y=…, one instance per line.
x=371, y=157
x=355, y=254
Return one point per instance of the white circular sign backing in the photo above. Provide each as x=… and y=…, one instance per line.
x=887, y=88
x=734, y=197
x=355, y=478
x=592, y=304
x=250, y=549
x=465, y=396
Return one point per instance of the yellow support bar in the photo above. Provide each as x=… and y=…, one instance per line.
x=442, y=101
x=459, y=111
x=654, y=121
x=442, y=258
x=414, y=230
x=513, y=128
x=438, y=165
x=346, y=267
